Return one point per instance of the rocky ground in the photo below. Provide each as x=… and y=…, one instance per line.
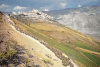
x=13, y=54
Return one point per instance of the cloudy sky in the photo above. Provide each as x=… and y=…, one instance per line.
x=43, y=5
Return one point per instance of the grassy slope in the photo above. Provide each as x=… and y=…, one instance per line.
x=67, y=34
x=93, y=58
x=41, y=31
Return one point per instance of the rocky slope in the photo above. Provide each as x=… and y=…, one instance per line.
x=12, y=53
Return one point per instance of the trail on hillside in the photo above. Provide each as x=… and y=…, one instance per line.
x=35, y=48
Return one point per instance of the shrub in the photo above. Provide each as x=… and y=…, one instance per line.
x=27, y=61
x=8, y=54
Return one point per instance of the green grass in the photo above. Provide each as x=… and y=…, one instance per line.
x=9, y=54
x=87, y=46
x=46, y=61
x=12, y=45
x=72, y=53
x=27, y=61
x=83, y=45
x=93, y=58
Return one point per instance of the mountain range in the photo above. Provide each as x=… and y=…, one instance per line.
x=84, y=19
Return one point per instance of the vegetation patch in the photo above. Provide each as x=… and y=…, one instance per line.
x=92, y=57
x=27, y=61
x=8, y=54
x=0, y=20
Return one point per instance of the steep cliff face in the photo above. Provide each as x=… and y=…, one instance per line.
x=84, y=19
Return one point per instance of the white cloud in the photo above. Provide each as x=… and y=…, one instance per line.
x=19, y=8
x=79, y=5
x=4, y=7
x=63, y=5
x=46, y=10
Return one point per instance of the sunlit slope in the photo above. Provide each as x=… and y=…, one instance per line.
x=67, y=35
x=66, y=40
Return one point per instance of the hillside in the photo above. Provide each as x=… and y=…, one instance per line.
x=76, y=45
x=8, y=46
x=83, y=19
x=20, y=50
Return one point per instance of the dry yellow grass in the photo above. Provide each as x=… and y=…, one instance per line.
x=79, y=63
x=51, y=27
x=57, y=31
x=47, y=27
x=66, y=34
x=88, y=51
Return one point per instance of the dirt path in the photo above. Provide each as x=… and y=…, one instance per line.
x=35, y=48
